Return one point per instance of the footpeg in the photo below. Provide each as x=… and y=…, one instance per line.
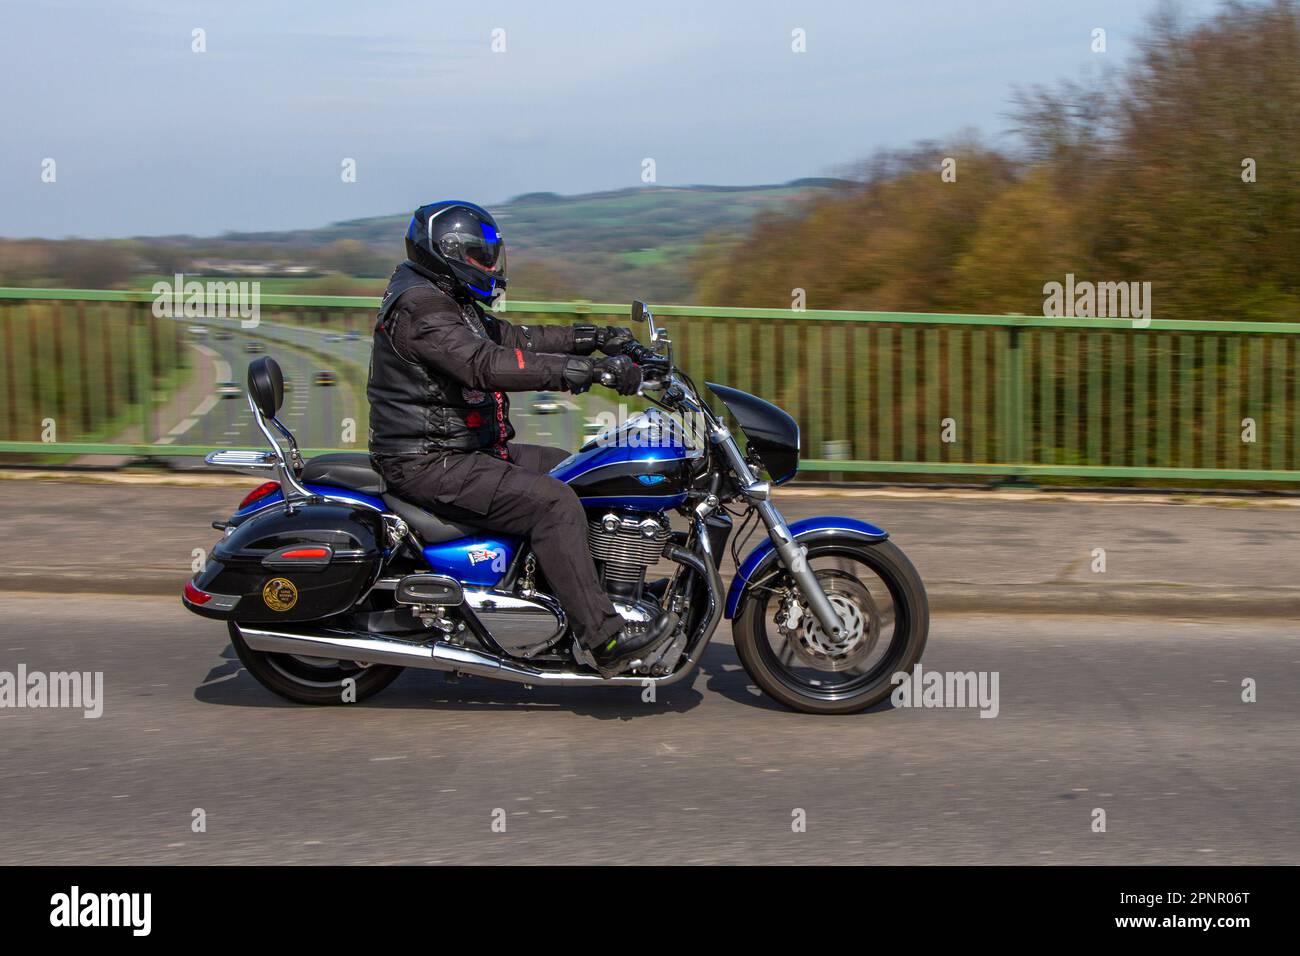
x=431, y=590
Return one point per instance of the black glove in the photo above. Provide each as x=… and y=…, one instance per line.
x=619, y=373
x=614, y=339
x=578, y=374
x=611, y=339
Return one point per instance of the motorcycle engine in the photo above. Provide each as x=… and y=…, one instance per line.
x=623, y=544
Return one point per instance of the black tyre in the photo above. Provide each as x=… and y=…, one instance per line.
x=313, y=680
x=878, y=593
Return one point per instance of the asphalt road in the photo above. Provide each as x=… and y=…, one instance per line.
x=1141, y=717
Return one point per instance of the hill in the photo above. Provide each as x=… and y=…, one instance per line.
x=616, y=245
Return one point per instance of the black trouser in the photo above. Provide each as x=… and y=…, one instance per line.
x=516, y=497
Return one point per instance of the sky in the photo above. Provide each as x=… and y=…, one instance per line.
x=149, y=137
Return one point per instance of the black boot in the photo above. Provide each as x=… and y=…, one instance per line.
x=634, y=641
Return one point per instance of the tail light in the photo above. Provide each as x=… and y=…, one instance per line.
x=258, y=493
x=194, y=595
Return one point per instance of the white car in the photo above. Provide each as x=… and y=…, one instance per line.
x=547, y=404
x=199, y=330
x=229, y=390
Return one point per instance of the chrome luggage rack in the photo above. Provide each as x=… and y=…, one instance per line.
x=285, y=467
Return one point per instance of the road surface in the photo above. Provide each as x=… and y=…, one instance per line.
x=1140, y=717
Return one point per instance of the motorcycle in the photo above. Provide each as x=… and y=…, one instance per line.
x=331, y=585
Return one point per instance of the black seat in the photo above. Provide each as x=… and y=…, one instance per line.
x=345, y=469
x=428, y=528
x=353, y=470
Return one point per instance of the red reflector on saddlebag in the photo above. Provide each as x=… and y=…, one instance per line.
x=306, y=553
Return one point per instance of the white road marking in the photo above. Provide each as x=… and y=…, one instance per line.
x=204, y=406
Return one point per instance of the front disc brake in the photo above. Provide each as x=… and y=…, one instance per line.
x=858, y=614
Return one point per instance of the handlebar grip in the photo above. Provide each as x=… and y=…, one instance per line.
x=641, y=354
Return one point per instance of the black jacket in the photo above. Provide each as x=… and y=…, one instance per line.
x=440, y=368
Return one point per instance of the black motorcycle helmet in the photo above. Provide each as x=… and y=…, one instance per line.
x=461, y=240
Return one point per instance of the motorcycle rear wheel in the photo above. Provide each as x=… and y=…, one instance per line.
x=313, y=680
x=877, y=590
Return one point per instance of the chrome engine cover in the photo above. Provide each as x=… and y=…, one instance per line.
x=523, y=623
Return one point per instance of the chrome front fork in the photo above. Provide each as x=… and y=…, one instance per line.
x=791, y=553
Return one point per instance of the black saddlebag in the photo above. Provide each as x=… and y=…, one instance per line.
x=304, y=566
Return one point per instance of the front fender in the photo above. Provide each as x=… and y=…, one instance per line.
x=805, y=532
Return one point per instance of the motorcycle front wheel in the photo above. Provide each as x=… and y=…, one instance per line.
x=313, y=680
x=881, y=600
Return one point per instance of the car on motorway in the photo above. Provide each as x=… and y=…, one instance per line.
x=254, y=347
x=333, y=337
x=354, y=336
x=288, y=384
x=325, y=377
x=223, y=335
x=545, y=403
x=198, y=331
x=229, y=390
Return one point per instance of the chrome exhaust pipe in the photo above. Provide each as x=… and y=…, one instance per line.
x=338, y=645
x=439, y=656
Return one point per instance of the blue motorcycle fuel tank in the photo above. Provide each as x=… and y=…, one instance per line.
x=644, y=464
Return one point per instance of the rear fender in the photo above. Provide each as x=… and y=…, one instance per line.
x=807, y=532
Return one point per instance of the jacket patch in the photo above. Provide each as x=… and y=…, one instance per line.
x=519, y=357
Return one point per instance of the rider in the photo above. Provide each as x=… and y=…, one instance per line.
x=440, y=430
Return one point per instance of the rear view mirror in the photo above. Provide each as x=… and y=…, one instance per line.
x=266, y=385
x=641, y=313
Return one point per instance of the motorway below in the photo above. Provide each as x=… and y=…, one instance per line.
x=316, y=413
x=1140, y=717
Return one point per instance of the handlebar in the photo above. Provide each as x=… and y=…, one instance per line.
x=644, y=355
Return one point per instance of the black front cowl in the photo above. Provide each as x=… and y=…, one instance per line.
x=306, y=565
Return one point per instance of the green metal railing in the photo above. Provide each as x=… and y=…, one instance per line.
x=874, y=393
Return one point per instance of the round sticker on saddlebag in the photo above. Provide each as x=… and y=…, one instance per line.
x=280, y=594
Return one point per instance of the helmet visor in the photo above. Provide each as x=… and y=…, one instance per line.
x=463, y=235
